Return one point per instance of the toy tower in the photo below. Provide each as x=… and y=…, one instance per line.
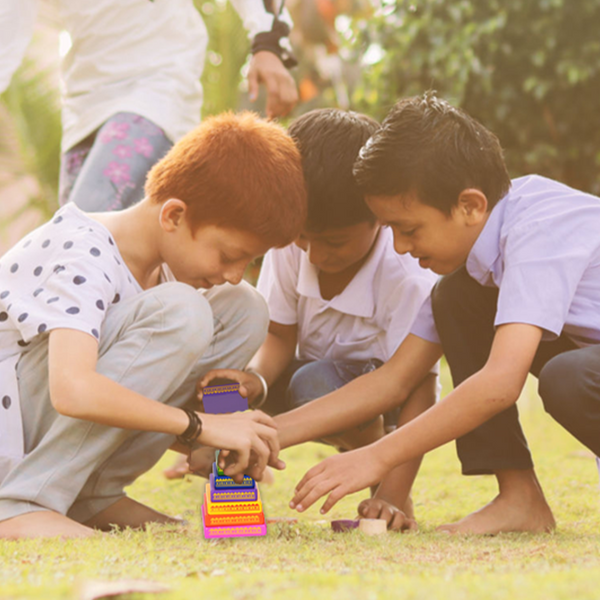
x=230, y=509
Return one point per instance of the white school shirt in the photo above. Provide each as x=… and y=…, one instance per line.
x=541, y=247
x=65, y=274
x=139, y=56
x=369, y=319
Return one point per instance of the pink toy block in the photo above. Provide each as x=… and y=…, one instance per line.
x=233, y=531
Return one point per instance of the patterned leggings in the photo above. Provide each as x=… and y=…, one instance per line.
x=107, y=170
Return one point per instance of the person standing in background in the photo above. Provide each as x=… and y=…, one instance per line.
x=131, y=84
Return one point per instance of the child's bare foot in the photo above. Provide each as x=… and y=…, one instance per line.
x=128, y=513
x=43, y=524
x=268, y=476
x=179, y=469
x=520, y=506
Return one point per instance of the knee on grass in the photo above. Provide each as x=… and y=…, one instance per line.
x=560, y=380
x=188, y=316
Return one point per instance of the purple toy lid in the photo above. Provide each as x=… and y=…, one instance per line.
x=343, y=525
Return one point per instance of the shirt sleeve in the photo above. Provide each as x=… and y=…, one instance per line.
x=75, y=295
x=424, y=324
x=255, y=17
x=542, y=269
x=17, y=19
x=278, y=281
x=408, y=299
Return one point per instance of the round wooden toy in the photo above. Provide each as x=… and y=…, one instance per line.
x=372, y=526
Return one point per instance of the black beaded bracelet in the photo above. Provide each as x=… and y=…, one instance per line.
x=193, y=430
x=269, y=41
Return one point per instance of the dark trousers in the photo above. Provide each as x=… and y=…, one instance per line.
x=569, y=377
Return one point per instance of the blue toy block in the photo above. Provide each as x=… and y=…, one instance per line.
x=222, y=481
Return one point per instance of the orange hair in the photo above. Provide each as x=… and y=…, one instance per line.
x=237, y=171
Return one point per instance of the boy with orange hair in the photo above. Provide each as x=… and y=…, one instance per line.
x=99, y=363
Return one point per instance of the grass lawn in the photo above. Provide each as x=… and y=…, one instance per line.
x=307, y=560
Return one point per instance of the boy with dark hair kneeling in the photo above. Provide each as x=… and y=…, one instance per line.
x=107, y=321
x=340, y=301
x=520, y=294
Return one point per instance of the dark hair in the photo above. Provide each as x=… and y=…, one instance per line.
x=237, y=171
x=329, y=141
x=428, y=147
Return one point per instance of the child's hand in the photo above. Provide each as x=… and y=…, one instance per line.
x=227, y=458
x=250, y=385
x=377, y=508
x=200, y=461
x=341, y=475
x=251, y=436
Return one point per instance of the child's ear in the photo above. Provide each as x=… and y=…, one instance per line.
x=473, y=206
x=172, y=214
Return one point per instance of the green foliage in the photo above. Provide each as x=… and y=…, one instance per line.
x=227, y=51
x=530, y=71
x=33, y=102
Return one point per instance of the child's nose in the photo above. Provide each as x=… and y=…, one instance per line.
x=315, y=254
x=234, y=276
x=402, y=246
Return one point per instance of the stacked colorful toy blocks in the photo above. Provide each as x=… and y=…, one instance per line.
x=230, y=509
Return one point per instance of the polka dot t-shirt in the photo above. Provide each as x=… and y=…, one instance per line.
x=65, y=274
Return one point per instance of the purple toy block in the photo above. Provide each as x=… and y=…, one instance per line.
x=218, y=399
x=231, y=495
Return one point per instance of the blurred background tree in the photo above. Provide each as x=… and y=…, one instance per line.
x=530, y=71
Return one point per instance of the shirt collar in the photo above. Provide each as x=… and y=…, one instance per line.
x=486, y=250
x=358, y=298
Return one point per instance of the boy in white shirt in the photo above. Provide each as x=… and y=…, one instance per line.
x=340, y=300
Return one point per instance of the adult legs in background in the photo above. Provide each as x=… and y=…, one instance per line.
x=464, y=314
x=107, y=171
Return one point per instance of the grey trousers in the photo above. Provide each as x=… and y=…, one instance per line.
x=158, y=344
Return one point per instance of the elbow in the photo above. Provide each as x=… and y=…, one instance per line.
x=504, y=391
x=394, y=392
x=63, y=405
x=501, y=385
x=66, y=399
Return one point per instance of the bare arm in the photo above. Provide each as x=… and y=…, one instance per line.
x=277, y=351
x=395, y=487
x=483, y=395
x=78, y=391
x=363, y=398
